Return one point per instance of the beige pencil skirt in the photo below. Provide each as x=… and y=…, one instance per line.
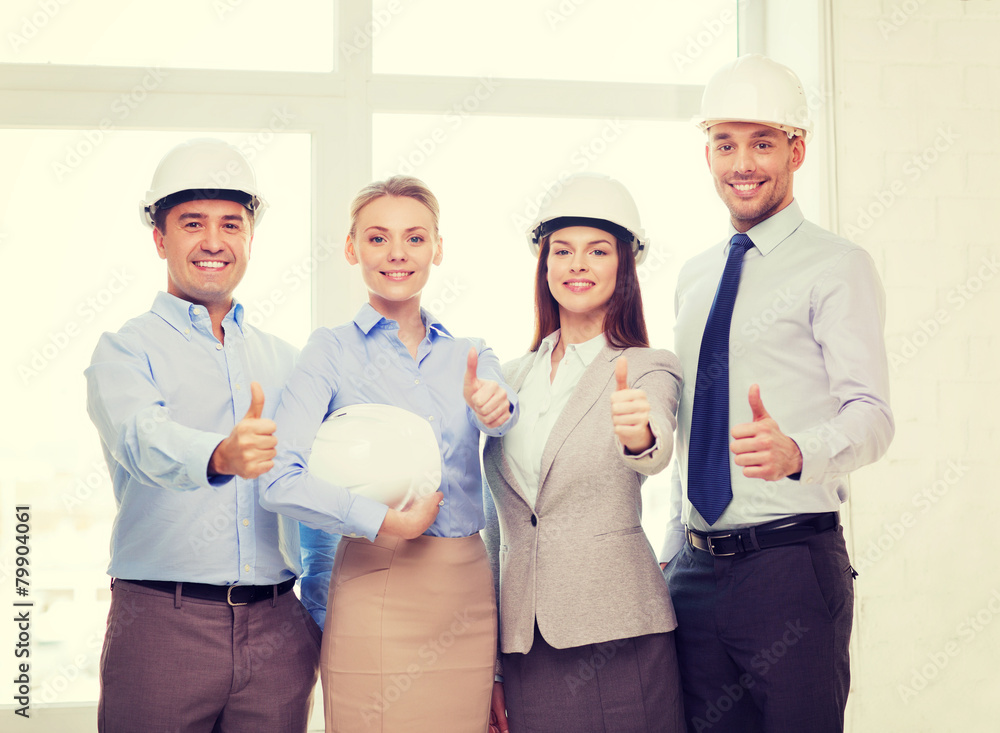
x=410, y=636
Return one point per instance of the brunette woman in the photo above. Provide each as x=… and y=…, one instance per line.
x=586, y=623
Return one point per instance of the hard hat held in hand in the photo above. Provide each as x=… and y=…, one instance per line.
x=203, y=168
x=383, y=452
x=754, y=88
x=590, y=200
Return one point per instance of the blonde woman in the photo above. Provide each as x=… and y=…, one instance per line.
x=409, y=635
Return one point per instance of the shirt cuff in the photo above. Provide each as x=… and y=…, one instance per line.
x=500, y=431
x=199, y=454
x=365, y=518
x=646, y=453
x=815, y=458
x=672, y=544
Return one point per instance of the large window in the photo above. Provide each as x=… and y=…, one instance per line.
x=487, y=103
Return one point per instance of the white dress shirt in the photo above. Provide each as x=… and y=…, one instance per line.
x=542, y=400
x=808, y=328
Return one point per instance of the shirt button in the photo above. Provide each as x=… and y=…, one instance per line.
x=430, y=418
x=416, y=381
x=354, y=534
x=246, y=568
x=187, y=331
x=196, y=311
x=246, y=522
x=237, y=387
x=218, y=347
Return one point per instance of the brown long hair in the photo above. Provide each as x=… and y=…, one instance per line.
x=624, y=322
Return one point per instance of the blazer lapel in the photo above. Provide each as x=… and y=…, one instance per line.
x=584, y=398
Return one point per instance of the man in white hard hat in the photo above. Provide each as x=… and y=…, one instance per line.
x=203, y=633
x=783, y=314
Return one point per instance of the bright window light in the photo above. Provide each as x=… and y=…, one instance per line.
x=626, y=41
x=188, y=34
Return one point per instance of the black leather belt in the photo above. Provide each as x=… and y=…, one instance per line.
x=763, y=536
x=234, y=595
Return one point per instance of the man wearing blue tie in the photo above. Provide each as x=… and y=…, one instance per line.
x=787, y=315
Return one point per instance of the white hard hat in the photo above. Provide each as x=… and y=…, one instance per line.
x=380, y=451
x=590, y=200
x=754, y=88
x=203, y=168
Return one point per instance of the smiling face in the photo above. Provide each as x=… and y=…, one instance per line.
x=395, y=241
x=752, y=166
x=582, y=268
x=206, y=244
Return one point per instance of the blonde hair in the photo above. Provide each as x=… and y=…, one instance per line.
x=400, y=187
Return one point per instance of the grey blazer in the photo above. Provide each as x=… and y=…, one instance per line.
x=579, y=563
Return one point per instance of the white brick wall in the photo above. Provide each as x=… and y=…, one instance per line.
x=918, y=121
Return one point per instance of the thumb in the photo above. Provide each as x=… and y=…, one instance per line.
x=471, y=364
x=256, y=401
x=756, y=405
x=621, y=373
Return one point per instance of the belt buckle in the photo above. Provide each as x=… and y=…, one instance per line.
x=229, y=597
x=711, y=547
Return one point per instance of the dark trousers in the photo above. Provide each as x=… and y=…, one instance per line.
x=183, y=665
x=762, y=638
x=620, y=686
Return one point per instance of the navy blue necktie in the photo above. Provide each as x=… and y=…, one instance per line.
x=709, y=487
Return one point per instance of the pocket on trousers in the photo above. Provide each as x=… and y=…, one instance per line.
x=834, y=578
x=363, y=558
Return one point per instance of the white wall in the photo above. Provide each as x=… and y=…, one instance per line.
x=918, y=150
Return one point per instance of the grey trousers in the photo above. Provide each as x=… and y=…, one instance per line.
x=194, y=666
x=620, y=686
x=762, y=638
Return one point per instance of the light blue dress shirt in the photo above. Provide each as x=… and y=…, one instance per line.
x=163, y=392
x=808, y=328
x=365, y=362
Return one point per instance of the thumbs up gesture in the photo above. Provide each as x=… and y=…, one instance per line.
x=248, y=450
x=760, y=446
x=630, y=412
x=486, y=398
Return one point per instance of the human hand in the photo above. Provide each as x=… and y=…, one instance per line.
x=760, y=446
x=413, y=521
x=248, y=451
x=486, y=398
x=630, y=412
x=498, y=710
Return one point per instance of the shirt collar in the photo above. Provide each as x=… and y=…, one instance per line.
x=181, y=314
x=585, y=352
x=775, y=229
x=434, y=325
x=368, y=318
